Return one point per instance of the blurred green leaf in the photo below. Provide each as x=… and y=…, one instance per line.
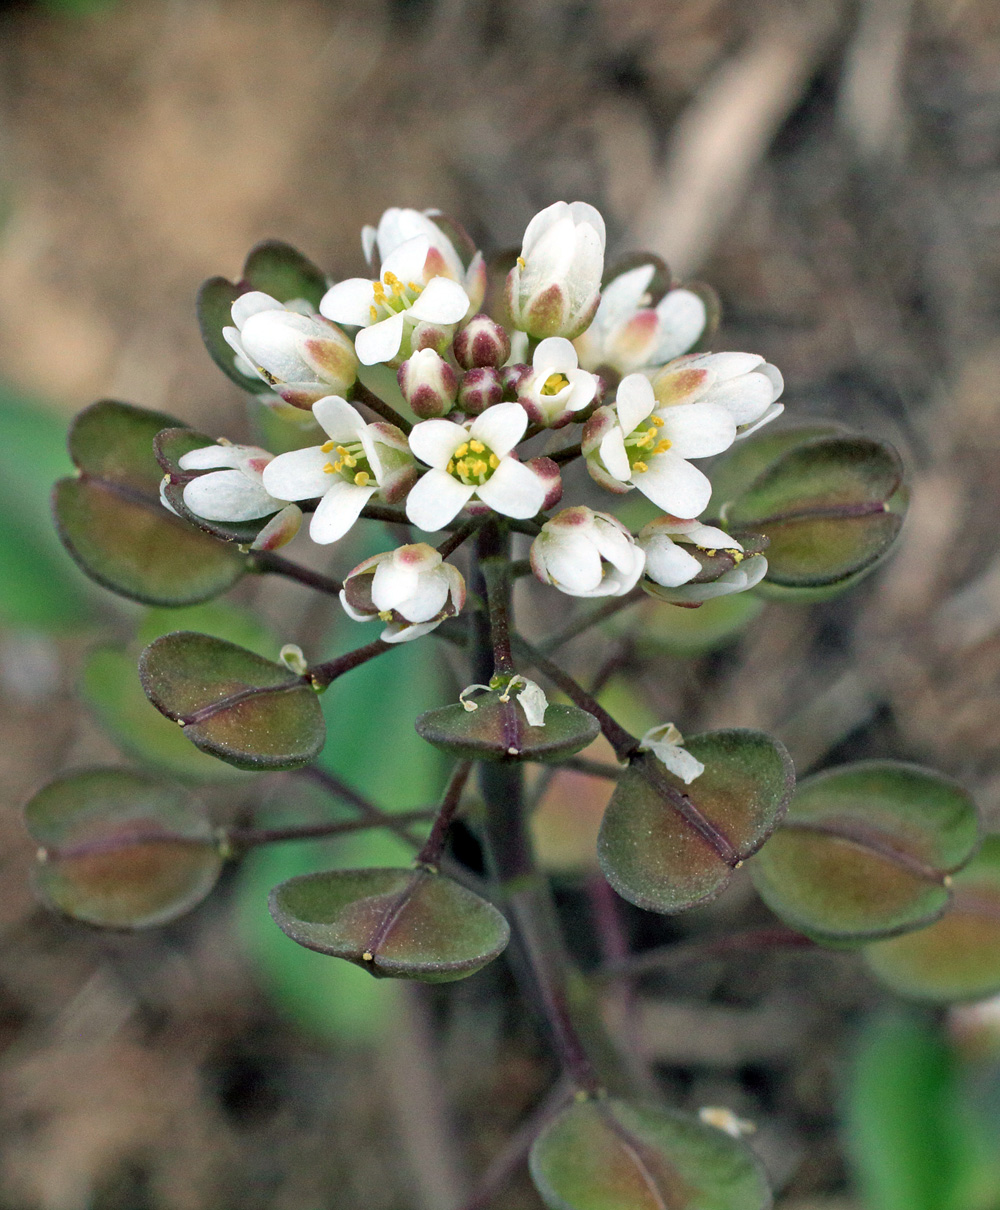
x=656, y=628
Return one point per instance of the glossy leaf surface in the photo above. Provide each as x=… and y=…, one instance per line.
x=113, y=524
x=232, y=703
x=865, y=850
x=666, y=846
x=957, y=957
x=608, y=1154
x=498, y=730
x=824, y=506
x=396, y=923
x=120, y=850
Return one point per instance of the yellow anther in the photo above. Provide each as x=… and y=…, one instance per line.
x=450, y=468
x=462, y=450
x=651, y=432
x=477, y=447
x=342, y=450
x=554, y=384
x=349, y=461
x=478, y=466
x=663, y=445
x=738, y=556
x=329, y=469
x=644, y=440
x=367, y=956
x=520, y=262
x=711, y=553
x=639, y=467
x=391, y=279
x=494, y=461
x=656, y=421
x=414, y=287
x=326, y=447
x=338, y=466
x=378, y=289
x=373, y=314
x=397, y=288
x=462, y=467
x=385, y=615
x=361, y=478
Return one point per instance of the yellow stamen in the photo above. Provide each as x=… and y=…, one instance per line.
x=663, y=445
x=450, y=468
x=397, y=288
x=462, y=467
x=338, y=466
x=361, y=479
x=329, y=469
x=520, y=262
x=639, y=467
x=391, y=279
x=385, y=615
x=477, y=447
x=644, y=440
x=349, y=461
x=494, y=461
x=379, y=291
x=554, y=384
x=414, y=287
x=462, y=450
x=478, y=466
x=326, y=447
x=342, y=450
x=657, y=421
x=373, y=314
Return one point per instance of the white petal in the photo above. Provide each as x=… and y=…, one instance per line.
x=209, y=457
x=436, y=499
x=393, y=582
x=341, y=421
x=368, y=238
x=514, y=490
x=728, y=365
x=428, y=599
x=500, y=427
x=613, y=543
x=349, y=302
x=584, y=213
x=298, y=475
x=623, y=296
x=273, y=339
x=407, y=260
x=698, y=430
x=682, y=317
x=253, y=303
x=381, y=341
x=338, y=510
x=708, y=537
x=635, y=401
x=747, y=397
x=353, y=613
x=772, y=413
x=541, y=223
x=434, y=441
x=675, y=485
x=573, y=563
x=442, y=301
x=534, y=703
x=679, y=761
x=554, y=353
x=229, y=496
x=669, y=564
x=583, y=388
x=394, y=633
x=612, y=454
x=774, y=374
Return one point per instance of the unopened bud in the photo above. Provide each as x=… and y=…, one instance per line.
x=428, y=383
x=479, y=390
x=482, y=342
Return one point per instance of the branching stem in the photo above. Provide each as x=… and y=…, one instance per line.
x=266, y=562
x=430, y=854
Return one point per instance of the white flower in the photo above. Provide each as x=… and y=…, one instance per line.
x=586, y=554
x=634, y=445
x=554, y=288
x=665, y=743
x=301, y=355
x=450, y=255
x=743, y=383
x=555, y=388
x=233, y=490
x=410, y=588
x=629, y=333
x=410, y=306
x=473, y=460
x=359, y=461
x=670, y=567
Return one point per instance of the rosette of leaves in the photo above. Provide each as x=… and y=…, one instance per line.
x=666, y=846
x=120, y=849
x=112, y=522
x=395, y=923
x=866, y=851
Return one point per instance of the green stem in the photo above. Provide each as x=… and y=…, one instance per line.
x=265, y=562
x=324, y=674
x=361, y=394
x=430, y=854
x=250, y=838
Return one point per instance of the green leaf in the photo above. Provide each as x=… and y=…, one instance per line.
x=121, y=850
x=824, y=506
x=498, y=730
x=866, y=851
x=666, y=846
x=275, y=268
x=233, y=704
x=957, y=957
x=607, y=1154
x=689, y=632
x=113, y=524
x=403, y=924
x=739, y=466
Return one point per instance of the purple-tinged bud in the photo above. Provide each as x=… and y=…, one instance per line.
x=428, y=383
x=480, y=389
x=547, y=472
x=512, y=377
x=482, y=342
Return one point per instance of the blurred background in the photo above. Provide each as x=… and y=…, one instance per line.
x=833, y=169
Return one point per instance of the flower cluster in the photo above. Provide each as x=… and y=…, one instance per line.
x=495, y=399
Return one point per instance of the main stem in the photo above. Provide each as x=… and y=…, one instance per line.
x=507, y=844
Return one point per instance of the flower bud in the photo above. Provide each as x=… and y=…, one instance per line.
x=555, y=286
x=480, y=389
x=411, y=589
x=482, y=342
x=428, y=383
x=688, y=563
x=299, y=353
x=586, y=554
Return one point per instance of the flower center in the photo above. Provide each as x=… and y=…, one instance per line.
x=554, y=384
x=392, y=296
x=473, y=463
x=351, y=463
x=643, y=443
